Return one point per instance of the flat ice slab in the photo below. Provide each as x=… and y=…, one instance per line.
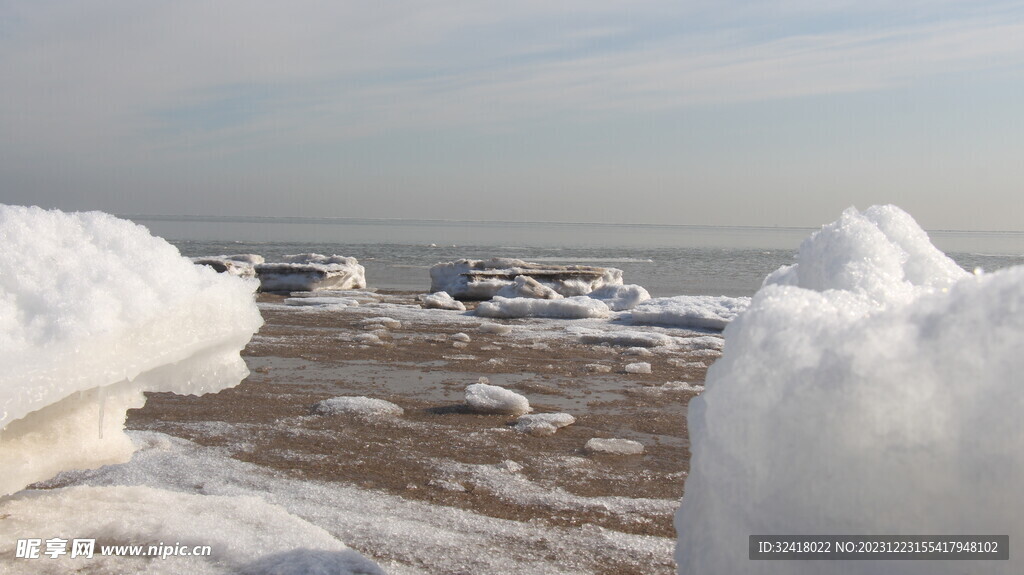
x=483, y=279
x=242, y=265
x=565, y=308
x=311, y=272
x=614, y=446
x=359, y=406
x=703, y=312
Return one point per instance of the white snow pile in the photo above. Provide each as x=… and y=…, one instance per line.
x=365, y=407
x=242, y=265
x=543, y=423
x=311, y=272
x=872, y=388
x=483, y=397
x=578, y=307
x=93, y=312
x=483, y=279
x=244, y=533
x=693, y=311
x=627, y=338
x=638, y=367
x=614, y=446
x=621, y=297
x=441, y=300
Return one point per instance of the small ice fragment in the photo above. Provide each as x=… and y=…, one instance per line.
x=486, y=398
x=496, y=328
x=614, y=446
x=598, y=368
x=639, y=367
x=441, y=300
x=359, y=406
x=510, y=466
x=461, y=337
x=543, y=423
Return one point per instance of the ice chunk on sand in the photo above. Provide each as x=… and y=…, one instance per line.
x=523, y=286
x=621, y=297
x=380, y=322
x=244, y=534
x=876, y=390
x=367, y=407
x=461, y=337
x=639, y=367
x=311, y=272
x=566, y=308
x=441, y=300
x=627, y=338
x=485, y=398
x=543, y=423
x=496, y=328
x=694, y=311
x=482, y=279
x=242, y=265
x=93, y=312
x=614, y=446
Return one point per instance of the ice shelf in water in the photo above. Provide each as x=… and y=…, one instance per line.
x=483, y=279
x=311, y=272
x=873, y=388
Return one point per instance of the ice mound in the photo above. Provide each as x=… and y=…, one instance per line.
x=441, y=300
x=614, y=446
x=367, y=407
x=543, y=423
x=485, y=398
x=483, y=279
x=262, y=538
x=621, y=297
x=242, y=265
x=523, y=286
x=311, y=272
x=566, y=308
x=94, y=311
x=873, y=388
x=693, y=311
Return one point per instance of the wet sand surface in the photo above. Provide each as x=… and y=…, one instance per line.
x=439, y=451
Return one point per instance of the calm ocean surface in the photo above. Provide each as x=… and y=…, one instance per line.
x=667, y=260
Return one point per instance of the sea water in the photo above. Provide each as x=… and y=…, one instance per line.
x=665, y=259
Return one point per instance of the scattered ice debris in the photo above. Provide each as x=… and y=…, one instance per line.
x=598, y=368
x=252, y=536
x=627, y=338
x=447, y=485
x=331, y=303
x=543, y=423
x=923, y=360
x=639, y=367
x=366, y=407
x=441, y=300
x=242, y=265
x=693, y=311
x=566, y=308
x=621, y=297
x=378, y=322
x=614, y=446
x=496, y=328
x=640, y=351
x=482, y=279
x=460, y=345
x=367, y=338
x=464, y=338
x=485, y=398
x=700, y=342
x=680, y=362
x=459, y=357
x=523, y=286
x=681, y=386
x=490, y=348
x=94, y=311
x=311, y=272
x=510, y=466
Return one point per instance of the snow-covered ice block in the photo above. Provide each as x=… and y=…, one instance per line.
x=485, y=398
x=482, y=279
x=693, y=311
x=523, y=286
x=244, y=534
x=367, y=407
x=639, y=367
x=441, y=300
x=621, y=297
x=311, y=272
x=614, y=446
x=543, y=423
x=242, y=265
x=873, y=388
x=93, y=312
x=566, y=308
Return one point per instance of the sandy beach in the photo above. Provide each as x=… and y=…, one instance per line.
x=439, y=451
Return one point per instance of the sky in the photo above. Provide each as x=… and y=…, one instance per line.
x=775, y=113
